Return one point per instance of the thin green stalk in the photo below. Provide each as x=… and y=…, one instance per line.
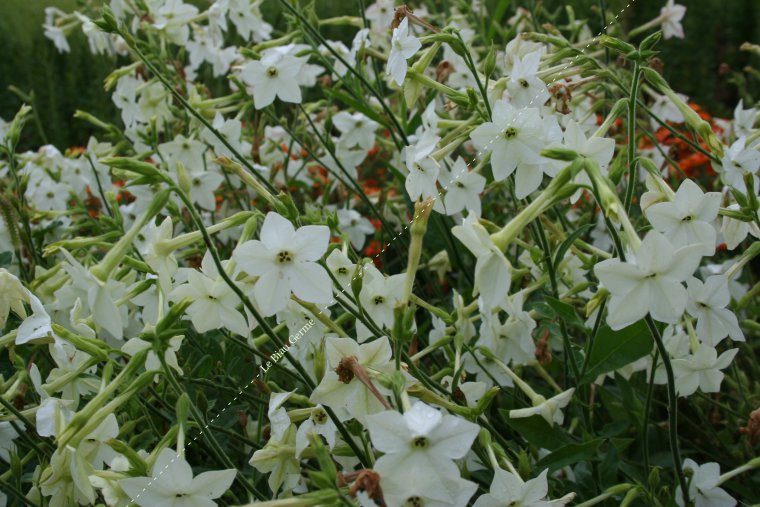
x=632, y=176
x=672, y=408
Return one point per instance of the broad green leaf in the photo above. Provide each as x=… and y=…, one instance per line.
x=564, y=311
x=615, y=349
x=536, y=431
x=569, y=455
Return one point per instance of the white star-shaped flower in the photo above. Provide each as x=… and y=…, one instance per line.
x=176, y=486
x=275, y=75
x=688, y=218
x=701, y=370
x=463, y=188
x=285, y=261
x=707, y=302
x=650, y=282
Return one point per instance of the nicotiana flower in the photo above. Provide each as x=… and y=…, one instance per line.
x=355, y=225
x=525, y=88
x=735, y=231
x=213, y=301
x=703, y=486
x=421, y=442
x=688, y=218
x=423, y=171
x=670, y=17
x=463, y=188
x=275, y=75
x=277, y=458
x=248, y=21
x=738, y=160
x=284, y=259
x=509, y=489
x=341, y=268
x=341, y=389
x=380, y=294
x=492, y=269
x=356, y=129
x=550, y=409
x=318, y=423
x=701, y=370
x=707, y=302
x=650, y=282
x=515, y=138
x=173, y=17
x=8, y=434
x=403, y=46
x=176, y=486
x=744, y=119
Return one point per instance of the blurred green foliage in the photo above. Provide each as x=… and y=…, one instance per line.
x=63, y=83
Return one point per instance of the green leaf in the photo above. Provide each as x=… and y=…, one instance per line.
x=569, y=455
x=615, y=349
x=565, y=246
x=5, y=259
x=564, y=311
x=536, y=431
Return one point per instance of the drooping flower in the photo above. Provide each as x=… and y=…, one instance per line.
x=550, y=409
x=492, y=269
x=403, y=47
x=285, y=261
x=670, y=17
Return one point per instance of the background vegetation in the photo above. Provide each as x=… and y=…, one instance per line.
x=63, y=83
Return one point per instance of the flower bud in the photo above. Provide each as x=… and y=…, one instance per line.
x=183, y=179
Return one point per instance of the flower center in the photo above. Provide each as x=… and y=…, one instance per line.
x=414, y=501
x=284, y=257
x=343, y=270
x=524, y=83
x=378, y=300
x=459, y=184
x=319, y=416
x=420, y=443
x=344, y=370
x=272, y=72
x=687, y=218
x=510, y=133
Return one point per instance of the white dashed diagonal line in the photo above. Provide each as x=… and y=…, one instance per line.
x=394, y=238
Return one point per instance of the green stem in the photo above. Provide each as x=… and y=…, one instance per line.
x=672, y=408
x=632, y=176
